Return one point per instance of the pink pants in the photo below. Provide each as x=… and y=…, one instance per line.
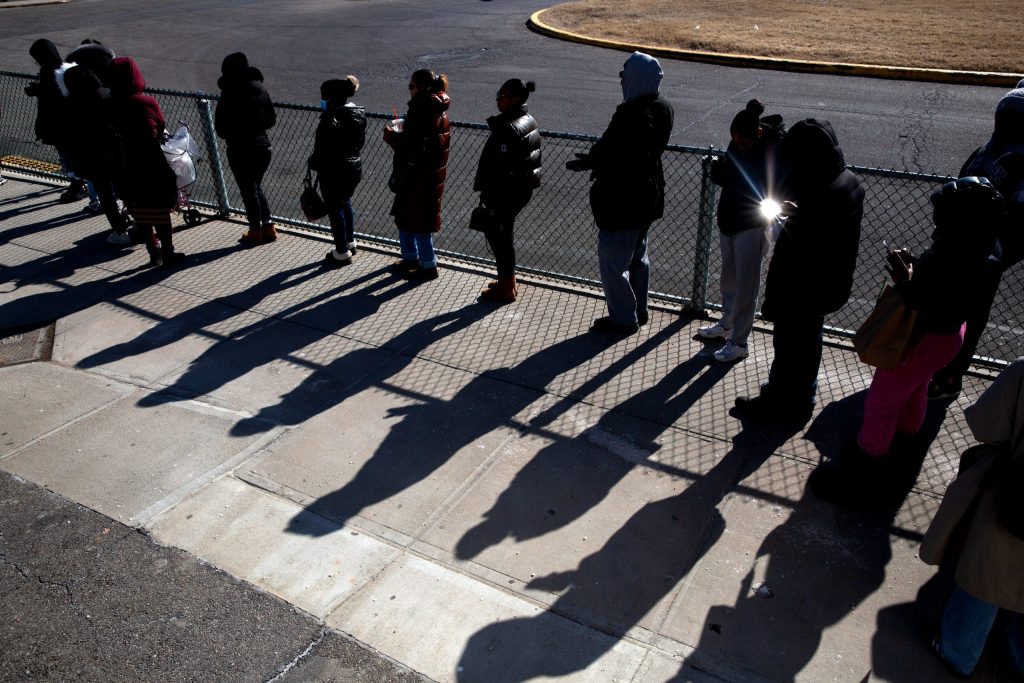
x=897, y=399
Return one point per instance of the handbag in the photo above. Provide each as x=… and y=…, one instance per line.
x=885, y=337
x=313, y=207
x=483, y=219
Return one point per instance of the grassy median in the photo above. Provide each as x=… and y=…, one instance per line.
x=973, y=35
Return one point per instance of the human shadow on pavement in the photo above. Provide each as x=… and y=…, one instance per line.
x=814, y=570
x=613, y=589
x=433, y=430
x=212, y=312
x=563, y=481
x=270, y=339
x=45, y=307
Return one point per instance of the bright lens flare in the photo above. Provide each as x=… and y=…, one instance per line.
x=770, y=209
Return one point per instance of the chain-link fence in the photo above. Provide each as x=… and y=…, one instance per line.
x=555, y=234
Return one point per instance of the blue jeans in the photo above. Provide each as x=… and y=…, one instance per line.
x=966, y=624
x=418, y=246
x=342, y=223
x=625, y=273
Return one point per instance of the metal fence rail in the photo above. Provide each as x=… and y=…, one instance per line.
x=555, y=234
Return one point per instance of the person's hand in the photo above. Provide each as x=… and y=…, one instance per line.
x=899, y=266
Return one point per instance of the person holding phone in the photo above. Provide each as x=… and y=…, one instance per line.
x=937, y=284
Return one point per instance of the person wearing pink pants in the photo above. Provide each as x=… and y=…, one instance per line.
x=937, y=285
x=898, y=399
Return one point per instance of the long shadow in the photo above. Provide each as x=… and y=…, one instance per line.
x=87, y=252
x=818, y=566
x=433, y=430
x=44, y=307
x=270, y=339
x=564, y=470
x=211, y=312
x=614, y=588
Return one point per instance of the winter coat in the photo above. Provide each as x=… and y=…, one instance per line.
x=990, y=566
x=942, y=290
x=1003, y=165
x=811, y=270
x=96, y=146
x=340, y=137
x=743, y=177
x=509, y=168
x=52, y=112
x=628, y=192
x=421, y=163
x=148, y=180
x=96, y=57
x=244, y=112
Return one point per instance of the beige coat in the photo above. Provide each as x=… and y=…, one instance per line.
x=991, y=566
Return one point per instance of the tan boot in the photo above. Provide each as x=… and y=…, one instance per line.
x=269, y=232
x=489, y=286
x=252, y=236
x=505, y=292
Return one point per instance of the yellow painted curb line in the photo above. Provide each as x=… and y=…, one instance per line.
x=905, y=73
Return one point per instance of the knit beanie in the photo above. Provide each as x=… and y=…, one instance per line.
x=1012, y=101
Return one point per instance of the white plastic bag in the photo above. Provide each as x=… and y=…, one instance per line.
x=182, y=153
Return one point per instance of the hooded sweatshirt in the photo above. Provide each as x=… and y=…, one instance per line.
x=629, y=184
x=641, y=75
x=245, y=112
x=95, y=56
x=811, y=271
x=52, y=110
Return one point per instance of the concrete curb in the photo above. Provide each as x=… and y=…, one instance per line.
x=12, y=4
x=989, y=78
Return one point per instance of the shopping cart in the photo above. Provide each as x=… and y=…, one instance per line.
x=182, y=155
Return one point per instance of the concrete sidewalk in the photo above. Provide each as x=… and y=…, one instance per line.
x=481, y=493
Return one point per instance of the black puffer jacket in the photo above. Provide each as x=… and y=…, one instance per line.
x=245, y=112
x=340, y=137
x=629, y=184
x=811, y=271
x=511, y=158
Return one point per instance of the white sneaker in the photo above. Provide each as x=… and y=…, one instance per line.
x=119, y=238
x=731, y=352
x=714, y=331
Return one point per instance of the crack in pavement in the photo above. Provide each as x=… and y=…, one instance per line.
x=302, y=655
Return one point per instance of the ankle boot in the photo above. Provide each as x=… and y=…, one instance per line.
x=269, y=232
x=252, y=236
x=505, y=292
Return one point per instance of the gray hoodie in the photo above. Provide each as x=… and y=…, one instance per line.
x=641, y=75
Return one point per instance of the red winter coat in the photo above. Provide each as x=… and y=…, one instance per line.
x=421, y=163
x=148, y=181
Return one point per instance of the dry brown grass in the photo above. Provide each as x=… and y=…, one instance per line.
x=974, y=35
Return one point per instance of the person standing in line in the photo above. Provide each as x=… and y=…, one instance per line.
x=52, y=113
x=628, y=191
x=508, y=173
x=340, y=137
x=984, y=502
x=148, y=183
x=420, y=169
x=96, y=143
x=244, y=115
x=743, y=175
x=811, y=270
x=1001, y=160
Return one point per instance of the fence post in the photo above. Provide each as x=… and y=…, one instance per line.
x=705, y=235
x=213, y=152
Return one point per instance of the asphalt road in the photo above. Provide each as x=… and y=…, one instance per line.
x=180, y=43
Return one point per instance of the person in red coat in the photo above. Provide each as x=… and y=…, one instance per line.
x=148, y=184
x=420, y=165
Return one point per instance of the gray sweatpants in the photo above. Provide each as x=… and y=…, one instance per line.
x=742, y=254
